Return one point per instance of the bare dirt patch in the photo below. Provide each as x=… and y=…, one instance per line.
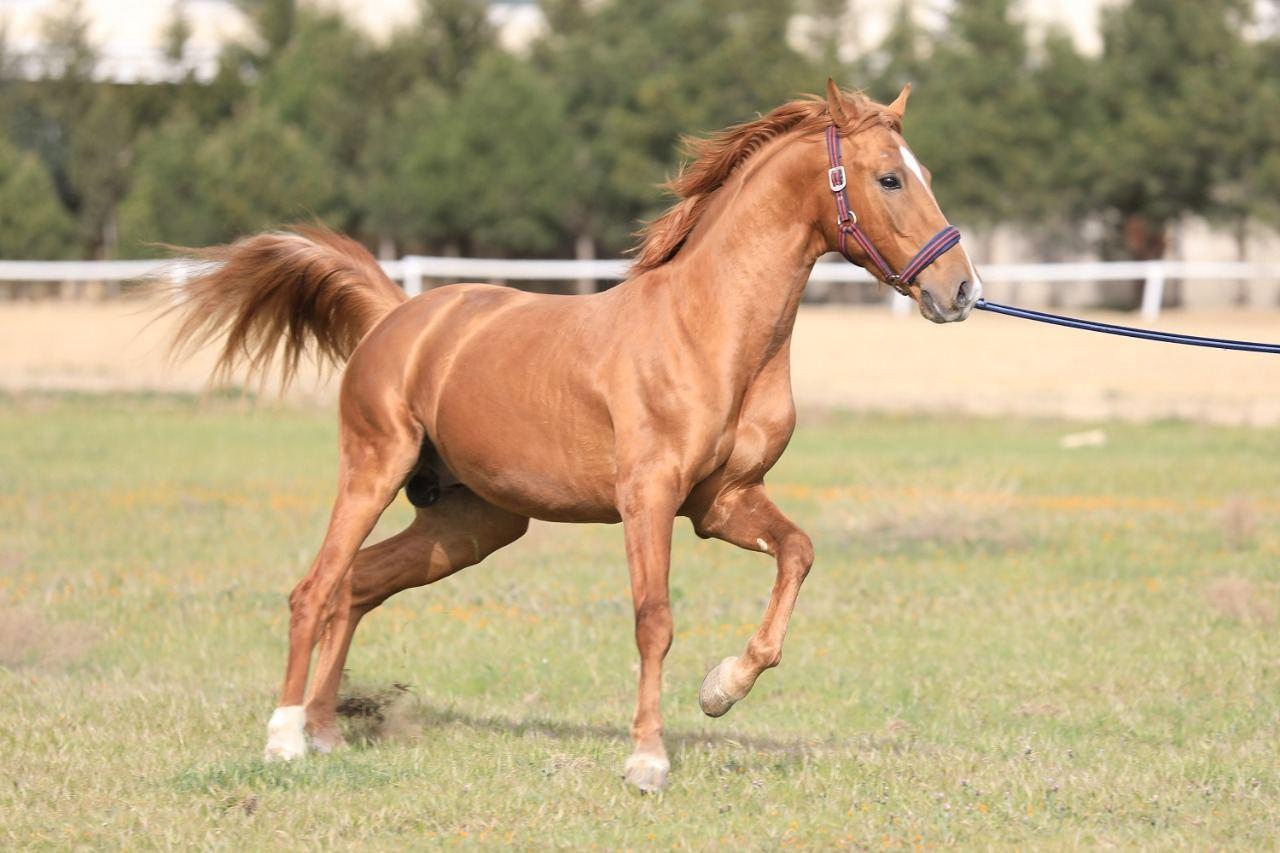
x=858, y=358
x=380, y=714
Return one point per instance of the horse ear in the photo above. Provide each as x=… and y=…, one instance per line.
x=899, y=105
x=835, y=103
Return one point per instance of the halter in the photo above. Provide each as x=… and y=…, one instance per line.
x=847, y=222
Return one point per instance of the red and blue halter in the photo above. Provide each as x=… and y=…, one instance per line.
x=847, y=222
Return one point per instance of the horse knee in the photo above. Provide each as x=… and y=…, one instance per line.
x=654, y=627
x=300, y=598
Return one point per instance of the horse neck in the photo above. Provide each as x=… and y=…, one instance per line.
x=744, y=267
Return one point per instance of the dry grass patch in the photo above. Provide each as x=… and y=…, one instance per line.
x=28, y=641
x=1242, y=600
x=979, y=515
x=1239, y=522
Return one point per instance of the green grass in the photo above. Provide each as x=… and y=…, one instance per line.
x=1002, y=644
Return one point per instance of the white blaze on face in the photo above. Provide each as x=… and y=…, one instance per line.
x=912, y=163
x=977, y=281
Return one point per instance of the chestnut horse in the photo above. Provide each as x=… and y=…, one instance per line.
x=668, y=395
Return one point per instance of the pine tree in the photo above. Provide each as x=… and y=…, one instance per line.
x=978, y=122
x=33, y=223
x=1171, y=100
x=486, y=169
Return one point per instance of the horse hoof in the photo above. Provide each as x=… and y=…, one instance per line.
x=712, y=698
x=286, y=738
x=646, y=772
x=328, y=739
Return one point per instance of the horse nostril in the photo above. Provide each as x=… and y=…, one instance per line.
x=962, y=295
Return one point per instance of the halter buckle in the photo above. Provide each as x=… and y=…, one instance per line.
x=836, y=179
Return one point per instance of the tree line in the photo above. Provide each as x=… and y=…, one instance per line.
x=438, y=140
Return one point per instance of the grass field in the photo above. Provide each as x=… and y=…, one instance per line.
x=1003, y=644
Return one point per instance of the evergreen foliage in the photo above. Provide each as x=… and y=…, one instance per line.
x=439, y=140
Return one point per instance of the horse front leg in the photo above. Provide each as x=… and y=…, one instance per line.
x=648, y=512
x=748, y=519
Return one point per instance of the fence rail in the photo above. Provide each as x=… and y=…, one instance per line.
x=414, y=271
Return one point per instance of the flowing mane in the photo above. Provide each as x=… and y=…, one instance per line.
x=714, y=158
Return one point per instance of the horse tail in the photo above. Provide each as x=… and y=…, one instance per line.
x=280, y=293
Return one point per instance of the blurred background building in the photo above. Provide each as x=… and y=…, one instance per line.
x=1056, y=130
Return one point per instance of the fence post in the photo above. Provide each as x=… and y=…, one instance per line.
x=179, y=275
x=412, y=276
x=1153, y=291
x=584, y=249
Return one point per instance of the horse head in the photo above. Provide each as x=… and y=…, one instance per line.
x=885, y=217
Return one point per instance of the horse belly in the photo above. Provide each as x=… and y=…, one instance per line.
x=524, y=470
x=516, y=441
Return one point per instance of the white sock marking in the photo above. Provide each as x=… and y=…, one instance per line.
x=286, y=736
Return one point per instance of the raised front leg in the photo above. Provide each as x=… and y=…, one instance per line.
x=648, y=509
x=748, y=519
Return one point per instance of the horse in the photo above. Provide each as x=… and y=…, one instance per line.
x=666, y=396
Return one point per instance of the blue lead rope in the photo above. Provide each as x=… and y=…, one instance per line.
x=1128, y=332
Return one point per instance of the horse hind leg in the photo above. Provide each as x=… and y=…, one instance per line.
x=458, y=530
x=376, y=457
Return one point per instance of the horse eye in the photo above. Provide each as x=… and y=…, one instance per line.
x=890, y=182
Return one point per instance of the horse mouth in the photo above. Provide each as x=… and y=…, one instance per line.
x=930, y=310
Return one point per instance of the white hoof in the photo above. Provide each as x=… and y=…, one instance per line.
x=286, y=735
x=646, y=772
x=712, y=697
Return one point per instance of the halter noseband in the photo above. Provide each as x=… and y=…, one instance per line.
x=847, y=222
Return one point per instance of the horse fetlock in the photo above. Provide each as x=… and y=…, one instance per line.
x=286, y=734
x=763, y=656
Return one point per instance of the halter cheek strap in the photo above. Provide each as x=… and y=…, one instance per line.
x=847, y=223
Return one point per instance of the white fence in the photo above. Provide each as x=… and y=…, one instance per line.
x=414, y=271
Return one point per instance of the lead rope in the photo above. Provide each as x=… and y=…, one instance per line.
x=1126, y=331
